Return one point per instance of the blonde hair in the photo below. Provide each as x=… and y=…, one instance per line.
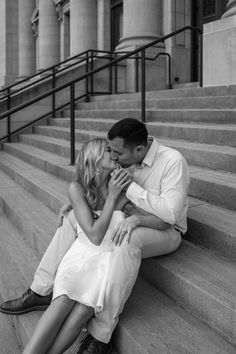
x=89, y=169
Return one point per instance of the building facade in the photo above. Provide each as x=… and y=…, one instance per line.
x=35, y=34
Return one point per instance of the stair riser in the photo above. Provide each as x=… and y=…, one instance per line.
x=193, y=134
x=203, y=158
x=187, y=92
x=204, y=116
x=47, y=198
x=192, y=298
x=224, y=243
x=47, y=166
x=213, y=193
x=31, y=232
x=210, y=192
x=172, y=103
x=79, y=137
x=47, y=146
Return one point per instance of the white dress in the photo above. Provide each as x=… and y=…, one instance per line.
x=83, y=271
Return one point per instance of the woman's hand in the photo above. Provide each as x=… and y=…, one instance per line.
x=124, y=229
x=119, y=180
x=64, y=209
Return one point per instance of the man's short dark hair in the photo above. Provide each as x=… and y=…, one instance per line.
x=131, y=130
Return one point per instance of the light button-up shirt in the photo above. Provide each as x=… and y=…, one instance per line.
x=160, y=185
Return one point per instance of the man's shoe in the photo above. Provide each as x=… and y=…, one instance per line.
x=90, y=345
x=29, y=301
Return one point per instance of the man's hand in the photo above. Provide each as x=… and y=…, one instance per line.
x=64, y=209
x=124, y=229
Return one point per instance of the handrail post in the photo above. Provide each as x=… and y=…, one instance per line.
x=200, y=60
x=72, y=124
x=53, y=95
x=91, y=77
x=143, y=88
x=116, y=75
x=110, y=75
x=136, y=72
x=9, y=116
x=87, y=78
x=169, y=71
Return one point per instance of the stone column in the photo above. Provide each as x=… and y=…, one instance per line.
x=83, y=26
x=48, y=35
x=231, y=9
x=27, y=63
x=103, y=27
x=142, y=22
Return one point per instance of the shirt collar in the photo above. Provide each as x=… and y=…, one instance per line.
x=150, y=155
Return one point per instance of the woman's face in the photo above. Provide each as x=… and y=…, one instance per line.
x=107, y=163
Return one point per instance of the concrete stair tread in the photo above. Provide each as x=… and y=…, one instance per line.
x=169, y=142
x=174, y=93
x=28, y=214
x=18, y=263
x=198, y=210
x=219, y=177
x=47, y=184
x=223, y=219
x=168, y=328
x=208, y=126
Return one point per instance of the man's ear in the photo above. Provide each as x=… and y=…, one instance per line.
x=139, y=149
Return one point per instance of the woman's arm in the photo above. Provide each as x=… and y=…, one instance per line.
x=96, y=229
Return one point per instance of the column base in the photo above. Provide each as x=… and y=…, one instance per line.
x=219, y=52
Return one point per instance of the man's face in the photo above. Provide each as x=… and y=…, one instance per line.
x=124, y=156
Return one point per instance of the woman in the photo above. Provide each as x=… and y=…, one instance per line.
x=81, y=278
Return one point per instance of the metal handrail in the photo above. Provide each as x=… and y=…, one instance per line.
x=90, y=73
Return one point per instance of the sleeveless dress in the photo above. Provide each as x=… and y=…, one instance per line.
x=83, y=272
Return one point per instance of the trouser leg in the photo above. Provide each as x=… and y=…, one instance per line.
x=123, y=273
x=61, y=242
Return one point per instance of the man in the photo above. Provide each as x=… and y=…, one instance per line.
x=159, y=185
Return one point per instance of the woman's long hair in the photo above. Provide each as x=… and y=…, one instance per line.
x=89, y=169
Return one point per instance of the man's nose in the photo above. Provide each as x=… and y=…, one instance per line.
x=114, y=157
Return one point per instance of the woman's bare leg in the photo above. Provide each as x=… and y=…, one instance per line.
x=71, y=328
x=49, y=325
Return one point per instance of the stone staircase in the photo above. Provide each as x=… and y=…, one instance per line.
x=182, y=303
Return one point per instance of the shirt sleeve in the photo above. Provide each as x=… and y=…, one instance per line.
x=169, y=204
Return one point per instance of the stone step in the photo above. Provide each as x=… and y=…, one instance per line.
x=18, y=263
x=205, y=155
x=204, y=182
x=212, y=227
x=52, y=163
x=199, y=282
x=24, y=215
x=175, y=93
x=49, y=189
x=162, y=327
x=215, y=116
x=213, y=187
x=216, y=230
x=156, y=325
x=217, y=134
x=207, y=102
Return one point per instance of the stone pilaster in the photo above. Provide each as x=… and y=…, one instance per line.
x=27, y=63
x=48, y=35
x=83, y=25
x=231, y=9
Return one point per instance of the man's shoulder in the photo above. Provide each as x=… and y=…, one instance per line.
x=170, y=152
